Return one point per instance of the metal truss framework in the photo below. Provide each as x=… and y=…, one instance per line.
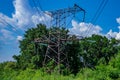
x=57, y=39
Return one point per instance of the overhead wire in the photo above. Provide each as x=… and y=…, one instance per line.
x=100, y=11
x=40, y=14
x=38, y=10
x=97, y=15
x=47, y=22
x=2, y=22
x=89, y=27
x=11, y=26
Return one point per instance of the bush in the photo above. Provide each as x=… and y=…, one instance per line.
x=114, y=74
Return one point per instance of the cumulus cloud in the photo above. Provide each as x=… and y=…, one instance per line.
x=25, y=15
x=22, y=14
x=19, y=38
x=112, y=34
x=87, y=29
x=45, y=19
x=118, y=36
x=84, y=29
x=118, y=20
x=5, y=19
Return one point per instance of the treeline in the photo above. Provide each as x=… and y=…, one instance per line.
x=92, y=58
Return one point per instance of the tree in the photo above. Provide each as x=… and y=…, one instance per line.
x=28, y=56
x=87, y=52
x=73, y=56
x=97, y=49
x=32, y=54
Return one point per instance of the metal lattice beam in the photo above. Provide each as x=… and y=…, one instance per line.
x=56, y=40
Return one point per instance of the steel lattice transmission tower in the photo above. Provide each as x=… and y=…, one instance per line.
x=57, y=39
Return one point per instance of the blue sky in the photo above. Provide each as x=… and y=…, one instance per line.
x=22, y=14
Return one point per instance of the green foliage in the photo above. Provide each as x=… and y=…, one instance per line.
x=32, y=54
x=30, y=74
x=28, y=57
x=92, y=58
x=102, y=72
x=96, y=50
x=73, y=57
x=10, y=65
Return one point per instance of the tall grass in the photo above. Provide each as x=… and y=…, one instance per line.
x=101, y=73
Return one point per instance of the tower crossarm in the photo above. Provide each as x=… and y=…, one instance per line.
x=71, y=10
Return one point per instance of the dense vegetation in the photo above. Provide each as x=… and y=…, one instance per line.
x=92, y=58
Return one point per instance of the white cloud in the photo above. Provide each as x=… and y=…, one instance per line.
x=118, y=36
x=111, y=34
x=87, y=29
x=6, y=34
x=5, y=20
x=24, y=15
x=118, y=20
x=41, y=18
x=84, y=29
x=2, y=23
x=19, y=38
